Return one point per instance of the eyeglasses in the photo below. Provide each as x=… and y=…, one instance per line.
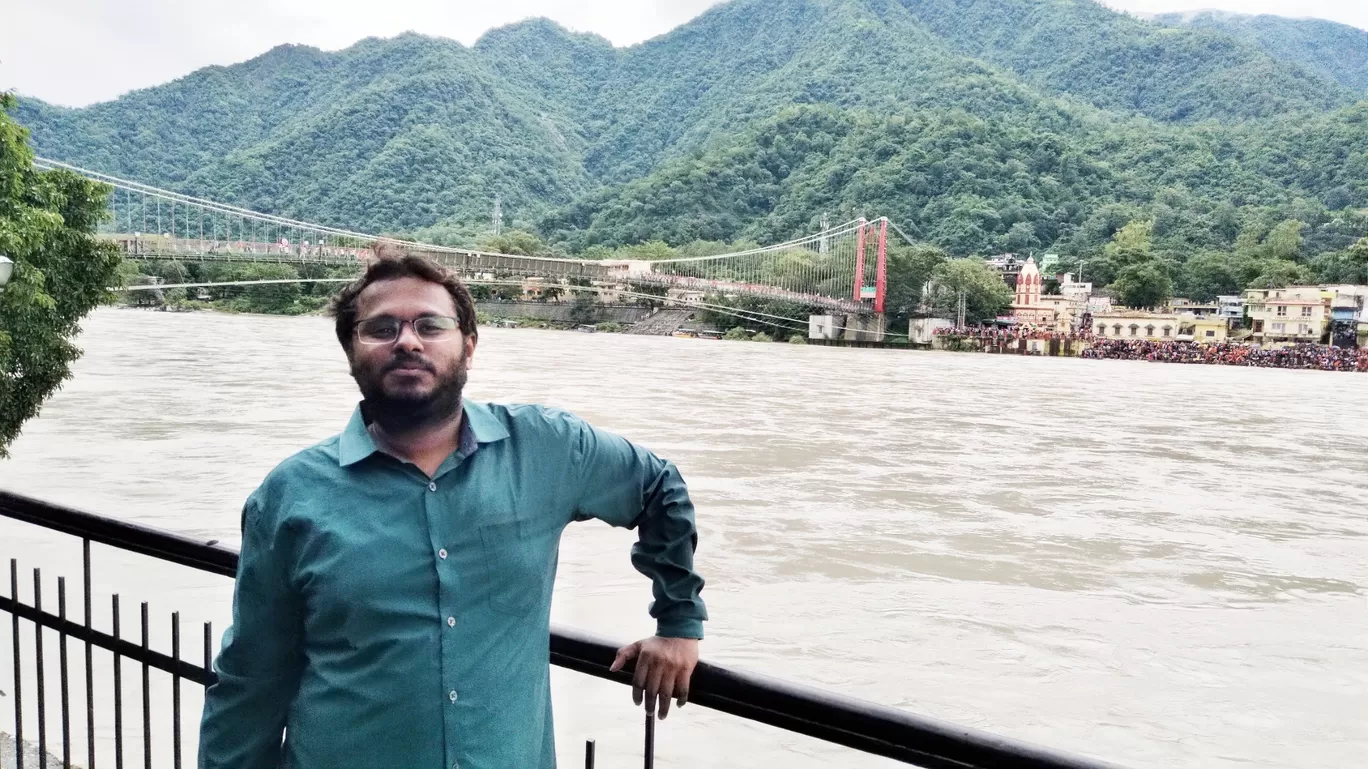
x=386, y=330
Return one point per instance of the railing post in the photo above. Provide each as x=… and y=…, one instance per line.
x=118, y=692
x=89, y=663
x=18, y=671
x=175, y=692
x=62, y=662
x=649, y=751
x=38, y=650
x=146, y=693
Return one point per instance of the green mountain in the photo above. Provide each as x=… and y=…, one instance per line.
x=1117, y=62
x=1334, y=51
x=388, y=134
x=979, y=125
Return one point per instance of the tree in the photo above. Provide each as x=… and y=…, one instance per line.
x=584, y=309
x=1355, y=260
x=908, y=270
x=1020, y=238
x=1280, y=273
x=516, y=242
x=651, y=250
x=272, y=298
x=61, y=273
x=1284, y=241
x=1143, y=285
x=1212, y=274
x=1130, y=245
x=985, y=294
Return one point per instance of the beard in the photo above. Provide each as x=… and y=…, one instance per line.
x=398, y=413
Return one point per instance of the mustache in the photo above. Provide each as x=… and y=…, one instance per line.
x=409, y=361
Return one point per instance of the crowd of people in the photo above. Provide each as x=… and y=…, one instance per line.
x=1302, y=356
x=1008, y=335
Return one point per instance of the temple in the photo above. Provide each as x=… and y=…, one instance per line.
x=1028, y=309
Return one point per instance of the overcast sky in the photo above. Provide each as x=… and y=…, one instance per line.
x=76, y=52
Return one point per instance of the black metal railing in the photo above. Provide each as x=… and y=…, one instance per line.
x=803, y=710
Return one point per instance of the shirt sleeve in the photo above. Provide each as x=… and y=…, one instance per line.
x=259, y=665
x=627, y=486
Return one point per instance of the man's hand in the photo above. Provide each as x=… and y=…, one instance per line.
x=663, y=669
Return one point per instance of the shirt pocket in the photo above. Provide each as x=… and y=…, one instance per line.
x=514, y=580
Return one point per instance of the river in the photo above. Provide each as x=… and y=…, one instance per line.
x=1161, y=565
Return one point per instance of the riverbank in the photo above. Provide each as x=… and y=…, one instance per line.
x=1315, y=357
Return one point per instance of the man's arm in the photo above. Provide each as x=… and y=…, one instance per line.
x=259, y=666
x=630, y=487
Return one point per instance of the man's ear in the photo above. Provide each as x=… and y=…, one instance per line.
x=470, y=343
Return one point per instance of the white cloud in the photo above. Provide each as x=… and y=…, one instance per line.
x=76, y=52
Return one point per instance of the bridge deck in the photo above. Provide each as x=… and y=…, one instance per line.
x=467, y=263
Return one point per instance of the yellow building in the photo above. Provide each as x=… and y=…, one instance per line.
x=1287, y=315
x=1136, y=324
x=1203, y=329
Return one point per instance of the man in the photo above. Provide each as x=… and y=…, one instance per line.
x=393, y=598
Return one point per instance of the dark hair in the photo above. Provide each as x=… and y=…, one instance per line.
x=392, y=262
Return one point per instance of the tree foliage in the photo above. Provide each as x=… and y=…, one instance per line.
x=61, y=273
x=1334, y=51
x=1144, y=285
x=985, y=294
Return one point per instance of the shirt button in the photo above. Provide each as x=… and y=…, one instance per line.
x=451, y=622
x=432, y=487
x=452, y=696
x=442, y=554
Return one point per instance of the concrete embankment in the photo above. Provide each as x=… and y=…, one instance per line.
x=625, y=314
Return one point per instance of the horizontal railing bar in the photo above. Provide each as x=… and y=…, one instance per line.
x=121, y=534
x=134, y=651
x=846, y=721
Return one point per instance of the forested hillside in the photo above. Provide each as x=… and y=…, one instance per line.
x=1336, y=52
x=1121, y=63
x=979, y=125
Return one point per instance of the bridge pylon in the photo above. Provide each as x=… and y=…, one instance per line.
x=874, y=236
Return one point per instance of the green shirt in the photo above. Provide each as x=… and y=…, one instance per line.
x=385, y=619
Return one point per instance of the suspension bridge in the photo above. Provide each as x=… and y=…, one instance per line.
x=840, y=271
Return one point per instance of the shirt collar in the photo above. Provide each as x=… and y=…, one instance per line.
x=478, y=426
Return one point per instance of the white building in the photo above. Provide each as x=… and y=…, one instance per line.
x=1080, y=292
x=1232, y=308
x=1136, y=324
x=1291, y=315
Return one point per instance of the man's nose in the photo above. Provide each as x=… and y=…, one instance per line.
x=408, y=338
